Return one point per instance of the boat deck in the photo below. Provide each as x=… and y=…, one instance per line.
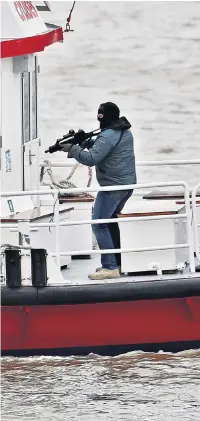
x=77, y=273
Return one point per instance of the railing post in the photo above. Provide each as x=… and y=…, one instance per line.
x=24, y=243
x=24, y=233
x=58, y=254
x=57, y=227
x=195, y=222
x=189, y=228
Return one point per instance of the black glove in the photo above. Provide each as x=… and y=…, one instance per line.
x=87, y=144
x=66, y=147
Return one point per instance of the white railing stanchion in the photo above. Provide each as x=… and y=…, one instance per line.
x=57, y=227
x=64, y=164
x=95, y=189
x=13, y=227
x=57, y=223
x=189, y=228
x=195, y=222
x=130, y=250
x=27, y=193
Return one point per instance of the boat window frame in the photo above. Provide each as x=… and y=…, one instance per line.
x=25, y=95
x=34, y=107
x=29, y=95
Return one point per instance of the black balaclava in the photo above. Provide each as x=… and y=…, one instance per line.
x=108, y=113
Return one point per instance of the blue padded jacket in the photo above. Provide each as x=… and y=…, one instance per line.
x=114, y=163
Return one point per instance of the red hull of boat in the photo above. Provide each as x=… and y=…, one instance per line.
x=92, y=326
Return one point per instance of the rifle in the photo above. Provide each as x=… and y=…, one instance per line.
x=75, y=138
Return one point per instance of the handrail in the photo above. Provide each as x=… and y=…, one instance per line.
x=110, y=251
x=196, y=226
x=13, y=226
x=98, y=189
x=115, y=188
x=62, y=164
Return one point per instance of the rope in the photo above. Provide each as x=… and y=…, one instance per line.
x=64, y=184
x=11, y=247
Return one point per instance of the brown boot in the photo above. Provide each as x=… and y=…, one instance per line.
x=99, y=268
x=105, y=274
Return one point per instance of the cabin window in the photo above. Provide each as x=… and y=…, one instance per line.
x=26, y=106
x=34, y=101
x=29, y=101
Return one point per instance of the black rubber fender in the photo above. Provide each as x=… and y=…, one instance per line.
x=100, y=293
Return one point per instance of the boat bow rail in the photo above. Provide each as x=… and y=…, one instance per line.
x=57, y=223
x=152, y=163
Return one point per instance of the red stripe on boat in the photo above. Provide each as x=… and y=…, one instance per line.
x=30, y=45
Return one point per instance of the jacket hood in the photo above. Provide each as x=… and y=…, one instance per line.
x=121, y=124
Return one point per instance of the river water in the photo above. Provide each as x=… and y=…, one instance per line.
x=146, y=58
x=132, y=387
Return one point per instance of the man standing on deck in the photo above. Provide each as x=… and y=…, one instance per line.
x=112, y=154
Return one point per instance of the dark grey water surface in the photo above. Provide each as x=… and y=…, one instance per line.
x=146, y=57
x=132, y=387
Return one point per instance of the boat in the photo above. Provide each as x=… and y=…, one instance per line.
x=48, y=305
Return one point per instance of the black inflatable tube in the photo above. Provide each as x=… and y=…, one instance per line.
x=101, y=293
x=19, y=296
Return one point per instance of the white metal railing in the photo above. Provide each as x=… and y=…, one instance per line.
x=57, y=223
x=63, y=164
x=196, y=225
